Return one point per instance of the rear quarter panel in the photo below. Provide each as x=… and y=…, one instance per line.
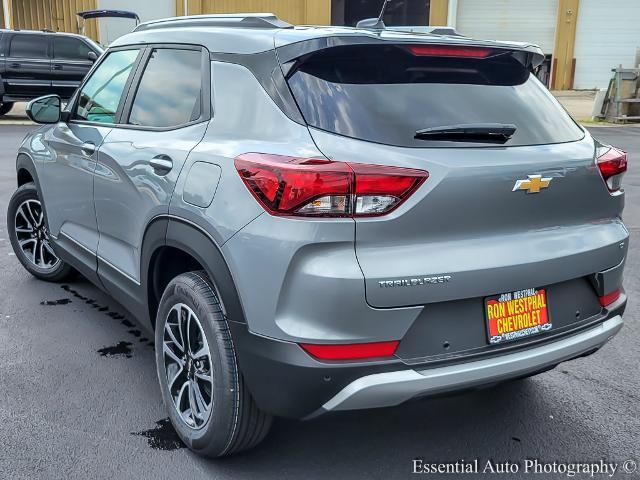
x=290, y=274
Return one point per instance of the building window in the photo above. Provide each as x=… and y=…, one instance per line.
x=399, y=12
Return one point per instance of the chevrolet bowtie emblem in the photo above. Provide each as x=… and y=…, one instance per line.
x=533, y=184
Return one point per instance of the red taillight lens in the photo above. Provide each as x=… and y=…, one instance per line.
x=609, y=298
x=450, y=51
x=284, y=184
x=351, y=351
x=317, y=187
x=612, y=164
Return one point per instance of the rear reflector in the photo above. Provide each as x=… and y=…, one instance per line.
x=352, y=351
x=609, y=298
x=320, y=187
x=450, y=51
x=612, y=164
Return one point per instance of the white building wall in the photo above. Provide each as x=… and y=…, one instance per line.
x=531, y=21
x=112, y=28
x=607, y=35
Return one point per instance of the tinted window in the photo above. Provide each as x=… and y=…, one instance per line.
x=28, y=46
x=170, y=91
x=100, y=96
x=66, y=48
x=385, y=94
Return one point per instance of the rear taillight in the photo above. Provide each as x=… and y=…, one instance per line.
x=449, y=51
x=612, y=163
x=320, y=187
x=609, y=298
x=352, y=351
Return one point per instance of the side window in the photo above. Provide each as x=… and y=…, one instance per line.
x=170, y=90
x=67, y=48
x=100, y=96
x=28, y=46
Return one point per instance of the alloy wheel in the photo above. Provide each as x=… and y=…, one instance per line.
x=187, y=365
x=33, y=236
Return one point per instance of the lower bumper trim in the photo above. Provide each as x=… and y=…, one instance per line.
x=393, y=388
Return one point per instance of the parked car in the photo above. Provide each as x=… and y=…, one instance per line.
x=36, y=63
x=318, y=219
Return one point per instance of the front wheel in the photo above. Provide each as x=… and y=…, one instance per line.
x=27, y=227
x=204, y=392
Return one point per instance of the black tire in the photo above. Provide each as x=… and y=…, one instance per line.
x=5, y=107
x=234, y=423
x=59, y=271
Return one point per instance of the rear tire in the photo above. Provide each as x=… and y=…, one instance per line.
x=203, y=371
x=5, y=108
x=27, y=227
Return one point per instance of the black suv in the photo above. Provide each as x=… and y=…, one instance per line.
x=35, y=63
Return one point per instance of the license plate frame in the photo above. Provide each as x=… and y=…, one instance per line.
x=512, y=317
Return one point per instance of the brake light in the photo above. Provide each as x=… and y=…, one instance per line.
x=353, y=351
x=612, y=164
x=450, y=51
x=609, y=298
x=320, y=187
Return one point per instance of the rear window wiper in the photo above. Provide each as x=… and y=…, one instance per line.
x=469, y=132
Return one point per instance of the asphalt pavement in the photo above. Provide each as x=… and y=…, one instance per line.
x=79, y=396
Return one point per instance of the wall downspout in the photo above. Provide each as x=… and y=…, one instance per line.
x=6, y=10
x=452, y=13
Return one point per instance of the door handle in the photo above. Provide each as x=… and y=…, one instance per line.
x=162, y=164
x=88, y=148
x=57, y=67
x=14, y=65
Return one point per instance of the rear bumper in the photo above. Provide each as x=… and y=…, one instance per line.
x=287, y=382
x=393, y=388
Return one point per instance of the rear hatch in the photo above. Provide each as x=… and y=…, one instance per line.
x=502, y=209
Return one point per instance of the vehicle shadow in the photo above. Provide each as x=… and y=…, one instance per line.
x=494, y=423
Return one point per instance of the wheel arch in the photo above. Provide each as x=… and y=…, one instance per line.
x=26, y=170
x=172, y=246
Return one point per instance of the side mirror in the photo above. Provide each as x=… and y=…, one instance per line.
x=45, y=109
x=93, y=56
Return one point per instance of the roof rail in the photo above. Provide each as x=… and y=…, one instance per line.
x=235, y=20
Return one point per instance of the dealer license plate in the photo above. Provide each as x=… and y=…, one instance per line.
x=517, y=315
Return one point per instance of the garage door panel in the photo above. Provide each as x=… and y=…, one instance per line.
x=605, y=38
x=531, y=21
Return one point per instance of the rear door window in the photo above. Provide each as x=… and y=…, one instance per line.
x=28, y=46
x=385, y=94
x=170, y=90
x=67, y=48
x=100, y=96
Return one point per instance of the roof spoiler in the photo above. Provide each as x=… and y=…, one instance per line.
x=530, y=56
x=432, y=30
x=87, y=14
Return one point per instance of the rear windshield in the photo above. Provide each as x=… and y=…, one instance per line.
x=385, y=94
